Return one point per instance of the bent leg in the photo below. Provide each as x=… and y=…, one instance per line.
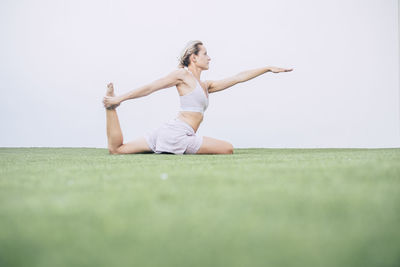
x=115, y=139
x=114, y=133
x=214, y=146
x=136, y=146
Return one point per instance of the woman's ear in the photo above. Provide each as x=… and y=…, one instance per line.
x=193, y=58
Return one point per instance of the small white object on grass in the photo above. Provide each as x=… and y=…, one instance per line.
x=164, y=176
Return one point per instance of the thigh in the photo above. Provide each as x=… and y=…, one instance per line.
x=136, y=146
x=214, y=146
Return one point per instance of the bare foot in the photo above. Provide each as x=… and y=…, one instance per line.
x=110, y=92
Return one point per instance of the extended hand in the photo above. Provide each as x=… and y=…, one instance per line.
x=277, y=70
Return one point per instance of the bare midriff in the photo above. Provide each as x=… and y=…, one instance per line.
x=192, y=118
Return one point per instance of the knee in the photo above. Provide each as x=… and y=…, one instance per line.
x=229, y=149
x=113, y=151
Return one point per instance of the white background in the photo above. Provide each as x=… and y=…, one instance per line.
x=56, y=58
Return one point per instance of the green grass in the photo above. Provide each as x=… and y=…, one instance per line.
x=257, y=207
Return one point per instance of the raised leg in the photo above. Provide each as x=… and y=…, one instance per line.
x=214, y=146
x=114, y=133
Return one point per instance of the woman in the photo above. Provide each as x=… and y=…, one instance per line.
x=178, y=136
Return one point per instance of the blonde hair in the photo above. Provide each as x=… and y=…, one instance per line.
x=192, y=47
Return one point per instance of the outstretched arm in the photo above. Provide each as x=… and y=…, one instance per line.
x=215, y=86
x=170, y=80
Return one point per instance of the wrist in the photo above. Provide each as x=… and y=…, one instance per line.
x=120, y=99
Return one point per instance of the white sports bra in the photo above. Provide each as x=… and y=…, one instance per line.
x=196, y=100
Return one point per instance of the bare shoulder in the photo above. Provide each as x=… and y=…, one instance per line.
x=179, y=73
x=173, y=78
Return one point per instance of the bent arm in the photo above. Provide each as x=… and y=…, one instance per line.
x=170, y=80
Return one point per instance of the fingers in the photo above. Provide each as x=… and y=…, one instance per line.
x=106, y=101
x=107, y=98
x=285, y=70
x=281, y=70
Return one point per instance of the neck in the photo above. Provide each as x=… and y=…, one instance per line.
x=195, y=71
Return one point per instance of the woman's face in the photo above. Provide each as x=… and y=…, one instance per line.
x=202, y=60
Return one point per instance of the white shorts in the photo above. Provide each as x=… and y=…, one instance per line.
x=175, y=136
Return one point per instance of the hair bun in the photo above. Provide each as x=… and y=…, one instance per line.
x=192, y=47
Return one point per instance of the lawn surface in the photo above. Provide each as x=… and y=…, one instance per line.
x=257, y=207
